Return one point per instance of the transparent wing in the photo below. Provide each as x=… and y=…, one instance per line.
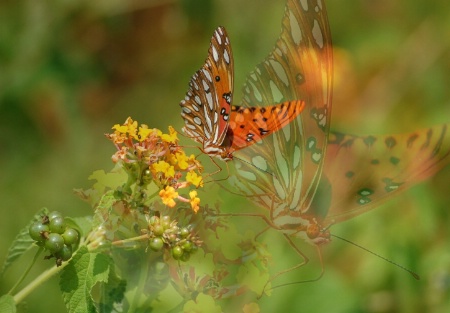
x=299, y=67
x=364, y=171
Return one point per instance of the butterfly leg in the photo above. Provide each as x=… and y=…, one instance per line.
x=219, y=169
x=265, y=218
x=304, y=262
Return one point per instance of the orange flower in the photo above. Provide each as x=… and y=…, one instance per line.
x=168, y=195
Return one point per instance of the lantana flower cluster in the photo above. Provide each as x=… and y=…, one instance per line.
x=150, y=155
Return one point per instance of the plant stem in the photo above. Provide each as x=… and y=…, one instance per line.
x=134, y=303
x=27, y=270
x=38, y=281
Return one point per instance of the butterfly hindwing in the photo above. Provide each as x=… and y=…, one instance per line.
x=366, y=170
x=207, y=105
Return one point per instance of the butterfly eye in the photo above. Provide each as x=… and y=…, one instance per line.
x=217, y=78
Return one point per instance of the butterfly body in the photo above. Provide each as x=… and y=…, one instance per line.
x=208, y=113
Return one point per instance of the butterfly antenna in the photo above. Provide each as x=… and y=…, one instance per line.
x=251, y=164
x=415, y=275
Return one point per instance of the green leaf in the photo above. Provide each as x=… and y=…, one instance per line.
x=78, y=278
x=103, y=182
x=103, y=209
x=7, y=304
x=22, y=243
x=83, y=224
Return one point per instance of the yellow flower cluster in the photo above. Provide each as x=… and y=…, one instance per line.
x=162, y=156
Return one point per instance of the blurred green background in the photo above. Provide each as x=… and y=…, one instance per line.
x=69, y=70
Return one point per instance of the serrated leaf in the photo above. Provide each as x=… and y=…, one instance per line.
x=78, y=278
x=22, y=243
x=7, y=304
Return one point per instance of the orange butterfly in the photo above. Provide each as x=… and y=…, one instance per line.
x=209, y=117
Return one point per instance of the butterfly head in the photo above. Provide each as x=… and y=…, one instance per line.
x=317, y=234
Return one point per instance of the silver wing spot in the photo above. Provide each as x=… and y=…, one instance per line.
x=304, y=4
x=210, y=101
x=317, y=33
x=197, y=121
x=198, y=100
x=187, y=110
x=215, y=54
x=208, y=76
x=226, y=56
x=276, y=93
x=296, y=32
x=190, y=126
x=218, y=36
x=279, y=70
x=256, y=92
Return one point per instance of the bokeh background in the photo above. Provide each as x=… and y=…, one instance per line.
x=69, y=70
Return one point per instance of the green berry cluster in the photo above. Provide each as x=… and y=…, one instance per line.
x=53, y=234
x=165, y=233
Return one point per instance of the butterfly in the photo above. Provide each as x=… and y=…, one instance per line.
x=322, y=177
x=208, y=113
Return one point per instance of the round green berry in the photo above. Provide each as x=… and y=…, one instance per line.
x=156, y=244
x=54, y=214
x=193, y=249
x=65, y=253
x=54, y=242
x=57, y=225
x=158, y=230
x=70, y=236
x=147, y=176
x=173, y=237
x=153, y=220
x=177, y=252
x=165, y=221
x=185, y=257
x=37, y=230
x=187, y=245
x=184, y=232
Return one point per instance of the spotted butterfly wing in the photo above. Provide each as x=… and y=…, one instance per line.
x=299, y=67
x=358, y=172
x=207, y=105
x=364, y=171
x=209, y=117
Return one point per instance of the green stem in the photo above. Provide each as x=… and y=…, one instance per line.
x=27, y=271
x=37, y=282
x=139, y=288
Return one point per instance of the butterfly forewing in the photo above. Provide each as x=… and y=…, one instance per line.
x=366, y=170
x=251, y=124
x=207, y=105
